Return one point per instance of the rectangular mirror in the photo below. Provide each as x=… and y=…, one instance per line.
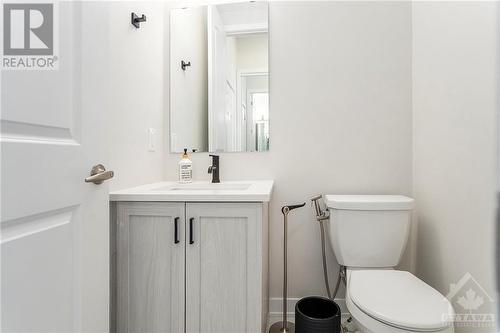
x=219, y=78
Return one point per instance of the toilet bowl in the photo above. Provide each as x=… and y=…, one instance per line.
x=391, y=301
x=368, y=234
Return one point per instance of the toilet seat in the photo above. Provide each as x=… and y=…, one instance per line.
x=399, y=299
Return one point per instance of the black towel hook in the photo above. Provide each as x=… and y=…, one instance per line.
x=136, y=20
x=185, y=64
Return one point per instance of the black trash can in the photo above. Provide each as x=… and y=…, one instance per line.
x=316, y=314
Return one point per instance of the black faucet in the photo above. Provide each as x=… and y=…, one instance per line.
x=214, y=169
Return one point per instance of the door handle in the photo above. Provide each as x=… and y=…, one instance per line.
x=191, y=238
x=98, y=174
x=176, y=230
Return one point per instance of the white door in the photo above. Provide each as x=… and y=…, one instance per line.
x=223, y=267
x=230, y=117
x=151, y=245
x=54, y=226
x=217, y=85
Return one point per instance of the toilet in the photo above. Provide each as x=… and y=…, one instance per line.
x=368, y=234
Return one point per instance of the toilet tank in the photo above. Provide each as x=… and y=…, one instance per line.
x=369, y=231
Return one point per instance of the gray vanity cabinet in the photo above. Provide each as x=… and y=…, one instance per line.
x=150, y=267
x=213, y=280
x=224, y=268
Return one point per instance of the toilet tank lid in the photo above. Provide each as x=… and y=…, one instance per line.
x=369, y=202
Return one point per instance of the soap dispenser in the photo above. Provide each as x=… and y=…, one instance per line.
x=185, y=168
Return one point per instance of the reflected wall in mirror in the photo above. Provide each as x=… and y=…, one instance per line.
x=219, y=78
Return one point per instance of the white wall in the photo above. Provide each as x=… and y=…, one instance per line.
x=136, y=92
x=252, y=52
x=455, y=73
x=189, y=96
x=340, y=117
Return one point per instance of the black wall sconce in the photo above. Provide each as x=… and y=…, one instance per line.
x=185, y=64
x=136, y=20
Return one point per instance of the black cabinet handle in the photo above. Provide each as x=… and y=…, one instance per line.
x=176, y=230
x=191, y=220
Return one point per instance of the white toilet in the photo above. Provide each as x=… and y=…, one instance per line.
x=368, y=235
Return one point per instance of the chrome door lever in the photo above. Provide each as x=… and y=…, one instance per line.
x=98, y=174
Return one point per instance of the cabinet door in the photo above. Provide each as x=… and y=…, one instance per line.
x=223, y=267
x=150, y=267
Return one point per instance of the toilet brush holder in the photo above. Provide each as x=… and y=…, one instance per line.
x=284, y=325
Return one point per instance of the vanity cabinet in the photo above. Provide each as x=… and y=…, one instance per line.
x=191, y=267
x=223, y=279
x=150, y=267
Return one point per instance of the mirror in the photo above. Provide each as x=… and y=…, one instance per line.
x=219, y=78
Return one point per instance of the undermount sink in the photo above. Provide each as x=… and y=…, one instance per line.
x=204, y=187
x=199, y=191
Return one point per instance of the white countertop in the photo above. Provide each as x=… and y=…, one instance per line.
x=199, y=191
